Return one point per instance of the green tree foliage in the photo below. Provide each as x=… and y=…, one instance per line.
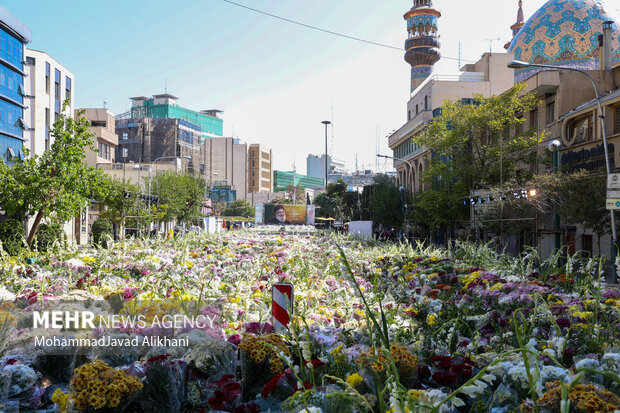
x=181, y=194
x=48, y=234
x=472, y=149
x=329, y=206
x=122, y=200
x=56, y=185
x=238, y=208
x=386, y=205
x=102, y=232
x=579, y=198
x=12, y=236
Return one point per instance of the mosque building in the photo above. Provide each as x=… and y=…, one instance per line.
x=568, y=34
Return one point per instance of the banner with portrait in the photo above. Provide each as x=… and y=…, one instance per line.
x=284, y=214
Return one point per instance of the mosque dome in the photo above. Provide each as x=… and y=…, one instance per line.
x=566, y=33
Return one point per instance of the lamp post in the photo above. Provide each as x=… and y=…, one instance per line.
x=396, y=159
x=554, y=146
x=517, y=64
x=326, y=122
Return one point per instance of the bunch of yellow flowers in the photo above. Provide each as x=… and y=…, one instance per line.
x=98, y=385
x=405, y=362
x=265, y=348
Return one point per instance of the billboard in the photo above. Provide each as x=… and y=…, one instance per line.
x=280, y=214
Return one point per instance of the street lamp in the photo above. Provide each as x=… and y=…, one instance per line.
x=326, y=122
x=517, y=64
x=396, y=159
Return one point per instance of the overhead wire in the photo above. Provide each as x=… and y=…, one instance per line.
x=309, y=26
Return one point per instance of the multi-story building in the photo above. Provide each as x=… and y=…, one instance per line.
x=489, y=76
x=105, y=140
x=158, y=127
x=260, y=169
x=583, y=36
x=49, y=85
x=283, y=180
x=227, y=165
x=315, y=166
x=14, y=35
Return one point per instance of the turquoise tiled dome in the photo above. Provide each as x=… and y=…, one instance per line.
x=565, y=32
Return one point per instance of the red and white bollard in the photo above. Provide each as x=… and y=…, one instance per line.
x=281, y=306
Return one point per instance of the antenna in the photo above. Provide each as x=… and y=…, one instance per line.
x=459, y=68
x=165, y=86
x=490, y=44
x=356, y=166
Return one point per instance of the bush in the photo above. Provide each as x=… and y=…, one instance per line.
x=12, y=236
x=102, y=229
x=47, y=235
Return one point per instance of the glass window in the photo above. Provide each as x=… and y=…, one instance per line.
x=10, y=82
x=57, y=76
x=534, y=119
x=68, y=83
x=581, y=129
x=617, y=120
x=11, y=50
x=9, y=114
x=30, y=61
x=550, y=112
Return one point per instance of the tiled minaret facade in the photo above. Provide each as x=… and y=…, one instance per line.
x=422, y=45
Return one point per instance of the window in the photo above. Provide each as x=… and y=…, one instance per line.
x=519, y=125
x=425, y=102
x=68, y=90
x=125, y=135
x=416, y=109
x=11, y=84
x=47, y=124
x=47, y=78
x=534, y=119
x=617, y=120
x=11, y=50
x=30, y=61
x=409, y=115
x=57, y=90
x=98, y=123
x=550, y=112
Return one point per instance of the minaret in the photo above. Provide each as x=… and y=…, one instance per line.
x=422, y=45
x=517, y=26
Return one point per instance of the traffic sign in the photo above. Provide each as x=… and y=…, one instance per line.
x=613, y=194
x=612, y=203
x=613, y=181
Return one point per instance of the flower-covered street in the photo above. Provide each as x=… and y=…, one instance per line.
x=376, y=327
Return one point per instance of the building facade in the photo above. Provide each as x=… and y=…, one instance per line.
x=105, y=140
x=283, y=180
x=158, y=127
x=585, y=36
x=49, y=87
x=227, y=166
x=14, y=35
x=260, y=169
x=489, y=76
x=315, y=166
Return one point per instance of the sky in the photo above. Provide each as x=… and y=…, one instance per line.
x=274, y=80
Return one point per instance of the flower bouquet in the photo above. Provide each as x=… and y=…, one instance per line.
x=262, y=358
x=99, y=387
x=213, y=358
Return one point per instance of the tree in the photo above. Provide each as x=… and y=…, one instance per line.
x=181, y=195
x=123, y=199
x=472, y=149
x=579, y=198
x=386, y=205
x=56, y=185
x=238, y=208
x=329, y=206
